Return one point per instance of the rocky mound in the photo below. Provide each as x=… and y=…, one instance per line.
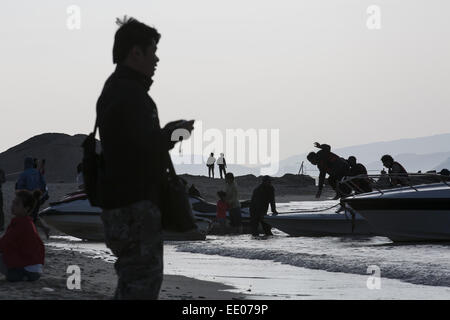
x=61, y=152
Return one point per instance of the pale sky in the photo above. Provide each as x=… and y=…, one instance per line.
x=310, y=68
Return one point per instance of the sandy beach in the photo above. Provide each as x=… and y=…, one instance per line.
x=98, y=278
x=98, y=282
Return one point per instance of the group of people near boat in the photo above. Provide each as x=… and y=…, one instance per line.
x=22, y=251
x=339, y=168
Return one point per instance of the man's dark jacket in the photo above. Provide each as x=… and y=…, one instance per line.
x=134, y=147
x=262, y=196
x=330, y=163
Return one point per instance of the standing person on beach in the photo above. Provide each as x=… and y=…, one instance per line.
x=2, y=214
x=22, y=252
x=396, y=172
x=262, y=196
x=210, y=164
x=221, y=211
x=136, y=154
x=336, y=167
x=222, y=165
x=80, y=178
x=31, y=179
x=234, y=206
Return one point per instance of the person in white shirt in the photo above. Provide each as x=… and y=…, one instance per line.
x=222, y=165
x=210, y=164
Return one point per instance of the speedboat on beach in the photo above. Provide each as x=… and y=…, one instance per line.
x=74, y=215
x=410, y=213
x=308, y=223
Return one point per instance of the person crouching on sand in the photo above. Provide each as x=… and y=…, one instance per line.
x=22, y=252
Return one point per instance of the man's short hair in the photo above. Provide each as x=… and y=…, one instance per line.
x=132, y=33
x=352, y=159
x=387, y=158
x=312, y=156
x=229, y=176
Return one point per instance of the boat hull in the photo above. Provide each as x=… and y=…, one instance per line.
x=320, y=225
x=410, y=225
x=87, y=225
x=413, y=214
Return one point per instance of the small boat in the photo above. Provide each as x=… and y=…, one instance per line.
x=74, y=216
x=409, y=213
x=308, y=223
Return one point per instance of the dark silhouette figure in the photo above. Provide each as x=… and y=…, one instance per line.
x=80, y=178
x=2, y=214
x=262, y=196
x=234, y=206
x=397, y=174
x=31, y=179
x=210, y=164
x=135, y=152
x=193, y=191
x=222, y=165
x=356, y=169
x=329, y=163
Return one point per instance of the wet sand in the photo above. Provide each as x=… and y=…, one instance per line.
x=98, y=281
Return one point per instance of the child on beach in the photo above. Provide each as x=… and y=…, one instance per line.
x=21, y=249
x=221, y=215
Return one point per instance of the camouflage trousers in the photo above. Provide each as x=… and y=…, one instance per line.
x=134, y=235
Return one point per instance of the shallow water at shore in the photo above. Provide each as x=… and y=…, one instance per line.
x=252, y=267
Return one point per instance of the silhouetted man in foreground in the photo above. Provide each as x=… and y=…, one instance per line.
x=360, y=185
x=397, y=173
x=262, y=196
x=135, y=151
x=336, y=167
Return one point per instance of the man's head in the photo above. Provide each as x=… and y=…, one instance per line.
x=267, y=180
x=387, y=160
x=229, y=177
x=312, y=157
x=135, y=46
x=212, y=154
x=351, y=161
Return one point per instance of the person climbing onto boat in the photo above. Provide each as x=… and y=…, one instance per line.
x=262, y=196
x=31, y=179
x=234, y=206
x=397, y=173
x=329, y=163
x=357, y=169
x=222, y=165
x=22, y=252
x=210, y=164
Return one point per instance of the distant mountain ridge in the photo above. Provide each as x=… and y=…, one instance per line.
x=423, y=153
x=63, y=153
